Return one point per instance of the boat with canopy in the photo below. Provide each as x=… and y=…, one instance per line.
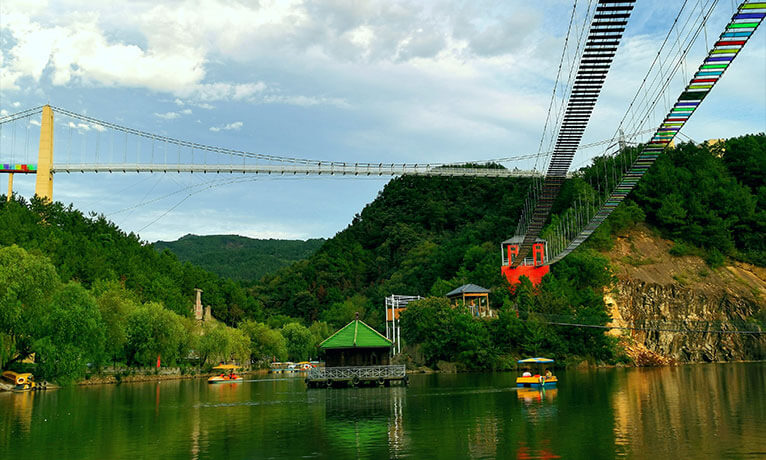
x=540, y=379
x=228, y=374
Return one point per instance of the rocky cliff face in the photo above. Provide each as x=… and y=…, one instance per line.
x=656, y=290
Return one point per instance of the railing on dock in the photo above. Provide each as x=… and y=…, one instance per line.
x=390, y=372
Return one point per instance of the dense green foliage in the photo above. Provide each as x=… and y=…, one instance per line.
x=573, y=293
x=91, y=250
x=425, y=236
x=419, y=234
x=711, y=197
x=238, y=257
x=61, y=271
x=73, y=331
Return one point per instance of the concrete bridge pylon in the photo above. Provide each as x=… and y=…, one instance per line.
x=44, y=175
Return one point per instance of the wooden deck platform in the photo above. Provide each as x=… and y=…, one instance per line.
x=328, y=377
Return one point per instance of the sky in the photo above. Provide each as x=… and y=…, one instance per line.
x=355, y=81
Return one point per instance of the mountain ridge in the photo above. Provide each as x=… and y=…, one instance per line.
x=238, y=257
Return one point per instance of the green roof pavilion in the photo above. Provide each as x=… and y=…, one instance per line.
x=356, y=344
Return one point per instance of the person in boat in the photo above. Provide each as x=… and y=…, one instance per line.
x=526, y=373
x=548, y=373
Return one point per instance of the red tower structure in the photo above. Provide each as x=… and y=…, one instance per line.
x=533, y=268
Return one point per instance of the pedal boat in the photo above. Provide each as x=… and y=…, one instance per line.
x=19, y=381
x=538, y=380
x=227, y=374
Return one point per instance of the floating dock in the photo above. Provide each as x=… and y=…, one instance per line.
x=335, y=377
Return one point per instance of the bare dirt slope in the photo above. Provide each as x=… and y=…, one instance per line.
x=642, y=255
x=658, y=290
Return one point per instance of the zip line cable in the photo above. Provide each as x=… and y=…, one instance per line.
x=556, y=83
x=653, y=329
x=648, y=72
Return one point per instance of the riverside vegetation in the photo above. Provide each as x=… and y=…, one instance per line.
x=80, y=293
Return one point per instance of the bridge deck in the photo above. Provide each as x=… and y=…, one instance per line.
x=295, y=169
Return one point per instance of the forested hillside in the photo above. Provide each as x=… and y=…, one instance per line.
x=238, y=257
x=62, y=272
x=425, y=236
x=89, y=249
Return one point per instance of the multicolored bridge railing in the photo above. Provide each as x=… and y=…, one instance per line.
x=18, y=168
x=743, y=24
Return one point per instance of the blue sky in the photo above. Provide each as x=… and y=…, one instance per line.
x=378, y=81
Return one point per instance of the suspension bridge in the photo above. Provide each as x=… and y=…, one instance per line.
x=92, y=145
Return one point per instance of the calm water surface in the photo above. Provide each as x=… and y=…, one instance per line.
x=699, y=411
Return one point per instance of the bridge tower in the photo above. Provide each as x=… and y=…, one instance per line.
x=44, y=177
x=534, y=268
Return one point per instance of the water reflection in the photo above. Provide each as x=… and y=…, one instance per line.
x=689, y=411
x=362, y=420
x=538, y=404
x=706, y=411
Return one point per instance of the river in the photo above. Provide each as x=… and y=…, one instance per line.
x=694, y=411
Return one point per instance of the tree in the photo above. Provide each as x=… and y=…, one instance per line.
x=221, y=343
x=153, y=331
x=27, y=282
x=299, y=341
x=266, y=344
x=115, y=304
x=339, y=314
x=319, y=332
x=72, y=335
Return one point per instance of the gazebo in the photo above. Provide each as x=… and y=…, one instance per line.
x=476, y=298
x=356, y=354
x=356, y=344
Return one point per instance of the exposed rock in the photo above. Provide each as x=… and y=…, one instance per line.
x=663, y=294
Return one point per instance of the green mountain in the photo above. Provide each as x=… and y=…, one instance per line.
x=420, y=236
x=238, y=257
x=427, y=235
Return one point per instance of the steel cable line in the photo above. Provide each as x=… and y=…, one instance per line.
x=679, y=61
x=648, y=105
x=604, y=35
x=556, y=83
x=653, y=325
x=244, y=154
x=654, y=329
x=692, y=95
x=183, y=143
x=24, y=113
x=568, y=87
x=183, y=189
x=529, y=156
x=680, y=57
x=648, y=72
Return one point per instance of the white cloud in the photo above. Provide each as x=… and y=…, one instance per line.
x=223, y=91
x=235, y=126
x=173, y=115
x=167, y=115
x=76, y=49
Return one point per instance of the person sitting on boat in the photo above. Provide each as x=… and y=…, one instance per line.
x=526, y=373
x=548, y=373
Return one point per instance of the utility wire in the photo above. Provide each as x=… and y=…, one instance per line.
x=656, y=329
